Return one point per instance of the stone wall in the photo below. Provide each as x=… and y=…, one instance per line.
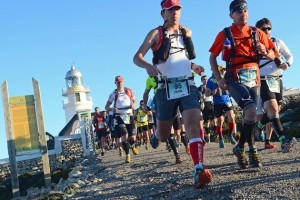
x=67, y=153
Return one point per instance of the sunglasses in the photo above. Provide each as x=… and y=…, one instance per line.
x=266, y=28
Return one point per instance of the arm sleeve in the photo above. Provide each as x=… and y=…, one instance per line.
x=285, y=51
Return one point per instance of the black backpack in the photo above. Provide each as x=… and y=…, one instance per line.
x=254, y=38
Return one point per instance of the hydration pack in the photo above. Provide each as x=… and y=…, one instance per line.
x=254, y=38
x=164, y=46
x=127, y=92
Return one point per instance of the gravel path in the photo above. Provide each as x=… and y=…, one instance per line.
x=153, y=174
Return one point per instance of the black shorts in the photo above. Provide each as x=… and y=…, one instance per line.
x=208, y=111
x=221, y=109
x=114, y=134
x=266, y=94
x=151, y=125
x=121, y=129
x=141, y=129
x=102, y=133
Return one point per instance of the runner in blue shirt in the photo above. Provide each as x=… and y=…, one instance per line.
x=222, y=106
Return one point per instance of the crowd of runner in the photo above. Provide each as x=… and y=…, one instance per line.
x=186, y=116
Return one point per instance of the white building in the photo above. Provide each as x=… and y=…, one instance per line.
x=76, y=95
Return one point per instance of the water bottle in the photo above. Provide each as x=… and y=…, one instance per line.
x=226, y=51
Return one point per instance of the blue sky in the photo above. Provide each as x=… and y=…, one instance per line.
x=41, y=40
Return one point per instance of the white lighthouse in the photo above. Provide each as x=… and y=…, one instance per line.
x=76, y=95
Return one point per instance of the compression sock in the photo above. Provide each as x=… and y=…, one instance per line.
x=249, y=129
x=231, y=126
x=243, y=138
x=125, y=147
x=202, y=134
x=276, y=124
x=173, y=144
x=219, y=132
x=196, y=148
x=184, y=139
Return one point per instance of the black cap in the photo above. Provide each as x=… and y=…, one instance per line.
x=238, y=5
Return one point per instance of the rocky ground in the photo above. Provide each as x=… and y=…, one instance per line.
x=153, y=174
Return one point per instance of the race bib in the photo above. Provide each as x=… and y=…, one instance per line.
x=151, y=120
x=115, y=122
x=247, y=76
x=177, y=87
x=102, y=125
x=273, y=84
x=143, y=118
x=125, y=118
x=228, y=104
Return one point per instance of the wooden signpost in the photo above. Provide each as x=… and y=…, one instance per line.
x=10, y=141
x=25, y=130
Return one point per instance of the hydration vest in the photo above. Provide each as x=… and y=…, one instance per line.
x=254, y=38
x=163, y=50
x=127, y=92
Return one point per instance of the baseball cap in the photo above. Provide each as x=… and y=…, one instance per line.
x=167, y=4
x=118, y=79
x=221, y=67
x=238, y=5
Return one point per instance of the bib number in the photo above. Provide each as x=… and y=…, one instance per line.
x=151, y=120
x=125, y=118
x=102, y=125
x=177, y=87
x=273, y=84
x=143, y=118
x=247, y=76
x=228, y=104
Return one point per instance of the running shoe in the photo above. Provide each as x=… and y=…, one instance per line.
x=241, y=157
x=102, y=153
x=154, y=142
x=232, y=140
x=202, y=177
x=178, y=159
x=221, y=143
x=287, y=144
x=135, y=151
x=128, y=159
x=269, y=146
x=146, y=147
x=254, y=160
